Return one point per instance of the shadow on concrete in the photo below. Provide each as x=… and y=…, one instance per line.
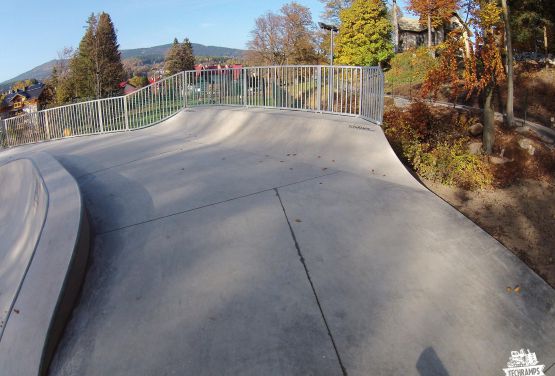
x=429, y=364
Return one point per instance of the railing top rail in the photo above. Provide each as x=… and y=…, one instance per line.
x=338, y=93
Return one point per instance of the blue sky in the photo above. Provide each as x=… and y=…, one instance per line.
x=47, y=26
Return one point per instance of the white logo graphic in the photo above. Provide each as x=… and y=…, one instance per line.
x=523, y=363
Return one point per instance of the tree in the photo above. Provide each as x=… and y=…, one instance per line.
x=510, y=77
x=332, y=8
x=266, y=45
x=482, y=67
x=364, y=34
x=179, y=57
x=96, y=68
x=433, y=13
x=535, y=21
x=287, y=37
x=21, y=85
x=299, y=34
x=139, y=81
x=111, y=71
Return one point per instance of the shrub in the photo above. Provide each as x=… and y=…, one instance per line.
x=409, y=67
x=434, y=145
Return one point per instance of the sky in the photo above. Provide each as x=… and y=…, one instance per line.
x=41, y=28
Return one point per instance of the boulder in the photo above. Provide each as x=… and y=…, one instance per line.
x=476, y=129
x=475, y=147
x=523, y=129
x=498, y=160
x=525, y=143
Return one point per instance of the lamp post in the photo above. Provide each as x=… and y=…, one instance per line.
x=332, y=29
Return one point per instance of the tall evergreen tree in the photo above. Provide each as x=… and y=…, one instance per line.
x=83, y=65
x=179, y=57
x=96, y=68
x=108, y=56
x=188, y=55
x=364, y=34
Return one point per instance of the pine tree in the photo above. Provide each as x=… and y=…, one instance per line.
x=179, y=57
x=109, y=58
x=171, y=64
x=364, y=34
x=96, y=68
x=187, y=55
x=83, y=65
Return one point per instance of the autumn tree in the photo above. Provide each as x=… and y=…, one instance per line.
x=432, y=13
x=364, y=34
x=21, y=85
x=287, y=37
x=179, y=57
x=482, y=67
x=298, y=34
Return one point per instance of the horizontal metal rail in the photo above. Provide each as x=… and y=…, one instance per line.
x=345, y=90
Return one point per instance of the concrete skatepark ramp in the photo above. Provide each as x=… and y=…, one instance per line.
x=44, y=251
x=248, y=241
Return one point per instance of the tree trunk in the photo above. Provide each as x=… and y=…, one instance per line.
x=429, y=30
x=488, y=136
x=510, y=119
x=545, y=45
x=395, y=28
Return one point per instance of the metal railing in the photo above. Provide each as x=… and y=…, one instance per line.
x=346, y=90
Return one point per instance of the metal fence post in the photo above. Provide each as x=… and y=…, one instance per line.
x=245, y=103
x=100, y=120
x=319, y=89
x=360, y=91
x=4, y=134
x=46, y=125
x=185, y=88
x=125, y=112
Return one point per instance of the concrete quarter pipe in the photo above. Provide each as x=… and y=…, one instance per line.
x=261, y=242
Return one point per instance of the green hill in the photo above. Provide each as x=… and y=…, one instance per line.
x=148, y=55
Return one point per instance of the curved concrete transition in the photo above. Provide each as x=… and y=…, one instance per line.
x=43, y=250
x=254, y=242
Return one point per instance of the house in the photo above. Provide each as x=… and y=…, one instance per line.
x=223, y=70
x=413, y=34
x=22, y=101
x=127, y=88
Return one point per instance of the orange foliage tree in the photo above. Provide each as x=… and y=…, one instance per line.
x=479, y=71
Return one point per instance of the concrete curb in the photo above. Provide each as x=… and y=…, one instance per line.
x=52, y=283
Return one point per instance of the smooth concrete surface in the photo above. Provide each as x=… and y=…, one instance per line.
x=23, y=206
x=52, y=274
x=233, y=241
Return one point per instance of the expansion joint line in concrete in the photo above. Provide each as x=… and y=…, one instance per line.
x=214, y=203
x=303, y=261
